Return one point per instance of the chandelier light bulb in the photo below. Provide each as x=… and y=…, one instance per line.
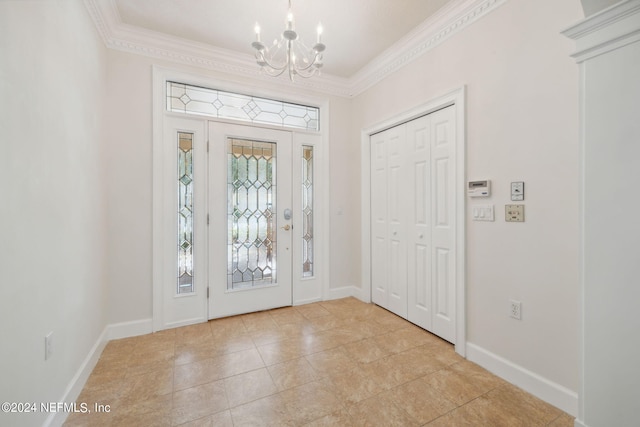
x=319, y=38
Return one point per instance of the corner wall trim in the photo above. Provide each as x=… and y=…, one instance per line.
x=552, y=393
x=343, y=292
x=57, y=419
x=129, y=329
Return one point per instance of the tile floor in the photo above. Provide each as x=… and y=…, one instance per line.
x=334, y=363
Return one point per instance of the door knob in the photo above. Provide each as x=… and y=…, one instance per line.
x=286, y=227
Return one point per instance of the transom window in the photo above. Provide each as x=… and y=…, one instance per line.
x=188, y=99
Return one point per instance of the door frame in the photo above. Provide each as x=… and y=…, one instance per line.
x=457, y=98
x=320, y=140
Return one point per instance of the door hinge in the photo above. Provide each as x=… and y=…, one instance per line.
x=207, y=146
x=207, y=292
x=207, y=219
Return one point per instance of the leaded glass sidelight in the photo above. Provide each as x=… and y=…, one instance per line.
x=185, y=213
x=251, y=207
x=307, y=211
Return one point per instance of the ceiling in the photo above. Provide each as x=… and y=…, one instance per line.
x=355, y=31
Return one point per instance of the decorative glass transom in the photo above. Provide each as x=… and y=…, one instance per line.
x=185, y=213
x=183, y=98
x=251, y=201
x=307, y=211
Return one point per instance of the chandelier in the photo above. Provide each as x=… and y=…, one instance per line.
x=289, y=53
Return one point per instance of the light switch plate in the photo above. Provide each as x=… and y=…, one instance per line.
x=514, y=213
x=517, y=191
x=482, y=212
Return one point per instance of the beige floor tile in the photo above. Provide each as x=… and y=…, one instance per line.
x=149, y=419
x=227, y=326
x=281, y=351
x=380, y=411
x=510, y=402
x=421, y=401
x=365, y=351
x=234, y=343
x=331, y=361
x=292, y=373
x=193, y=333
x=460, y=417
x=196, y=373
x=161, y=404
x=416, y=362
x=324, y=323
x=194, y=352
x=147, y=386
x=269, y=411
x=444, y=354
x=353, y=386
x=456, y=387
x=198, y=402
x=93, y=419
x=310, y=401
x=253, y=385
x=239, y=362
x=297, y=330
x=339, y=418
x=312, y=310
x=387, y=373
x=285, y=316
x=258, y=321
x=221, y=419
x=482, y=378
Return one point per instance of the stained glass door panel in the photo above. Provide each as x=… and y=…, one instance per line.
x=250, y=240
x=251, y=201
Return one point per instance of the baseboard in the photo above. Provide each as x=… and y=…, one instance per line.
x=306, y=301
x=129, y=329
x=343, y=292
x=578, y=423
x=552, y=393
x=57, y=419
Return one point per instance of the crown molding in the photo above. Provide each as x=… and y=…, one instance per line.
x=450, y=20
x=435, y=30
x=607, y=30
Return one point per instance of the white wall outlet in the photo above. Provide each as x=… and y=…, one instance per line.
x=514, y=213
x=48, y=346
x=515, y=309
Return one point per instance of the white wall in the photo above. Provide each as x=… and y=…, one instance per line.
x=522, y=125
x=52, y=213
x=611, y=261
x=129, y=154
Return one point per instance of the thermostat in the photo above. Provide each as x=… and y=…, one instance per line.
x=479, y=188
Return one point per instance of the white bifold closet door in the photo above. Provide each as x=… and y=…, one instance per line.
x=413, y=250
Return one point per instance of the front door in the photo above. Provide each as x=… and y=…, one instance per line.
x=250, y=219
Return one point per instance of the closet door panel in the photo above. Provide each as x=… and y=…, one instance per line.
x=397, y=194
x=379, y=241
x=443, y=230
x=419, y=294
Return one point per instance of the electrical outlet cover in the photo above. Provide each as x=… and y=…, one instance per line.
x=514, y=213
